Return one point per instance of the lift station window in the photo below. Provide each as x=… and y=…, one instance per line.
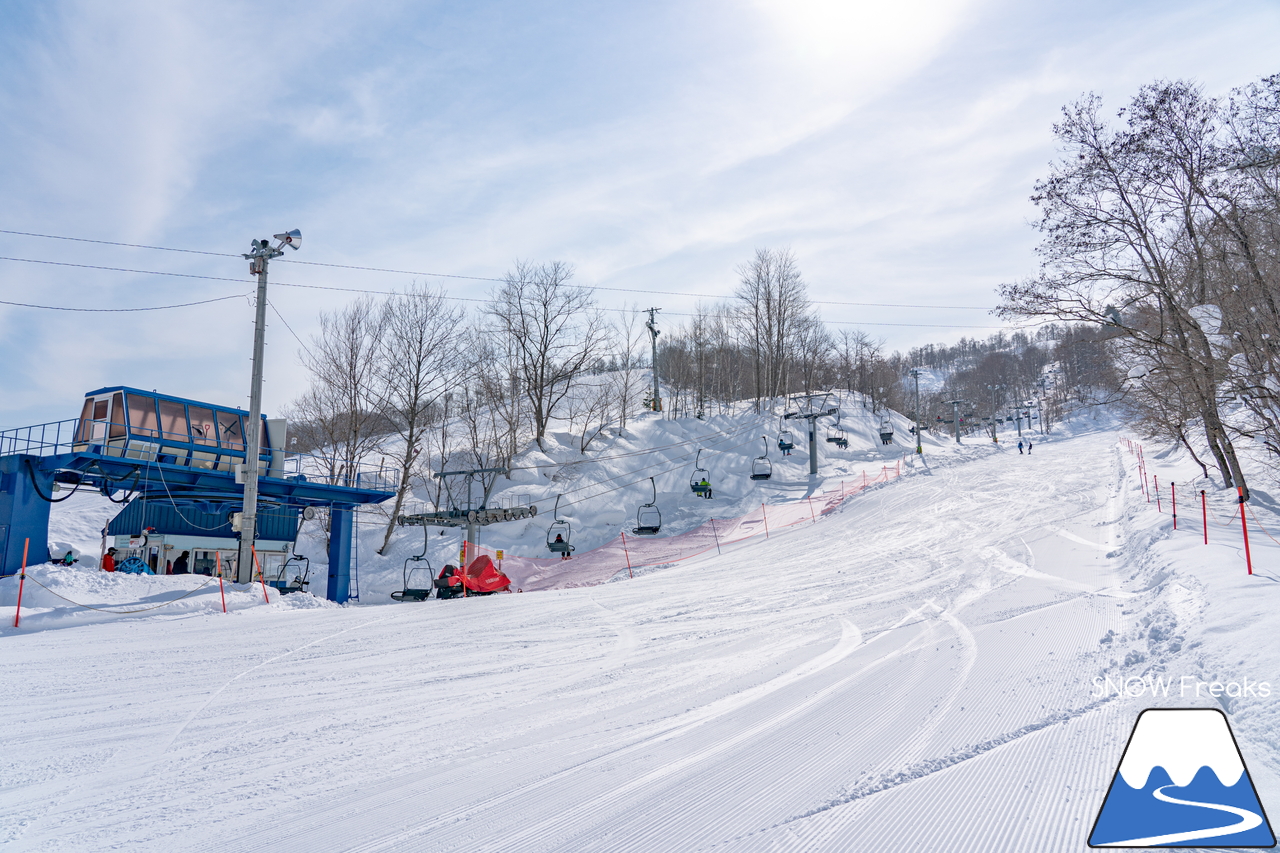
x=117, y=415
x=229, y=431
x=88, y=415
x=173, y=421
x=202, y=428
x=142, y=415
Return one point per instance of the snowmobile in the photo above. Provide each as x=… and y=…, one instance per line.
x=481, y=577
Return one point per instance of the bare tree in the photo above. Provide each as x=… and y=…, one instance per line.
x=628, y=379
x=340, y=412
x=550, y=332
x=771, y=304
x=1126, y=238
x=417, y=360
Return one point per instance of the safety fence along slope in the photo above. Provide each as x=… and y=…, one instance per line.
x=628, y=553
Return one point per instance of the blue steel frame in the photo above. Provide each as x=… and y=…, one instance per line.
x=33, y=459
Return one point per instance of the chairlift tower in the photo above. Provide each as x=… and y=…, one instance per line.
x=994, y=389
x=915, y=374
x=260, y=252
x=811, y=415
x=955, y=413
x=471, y=519
x=652, y=326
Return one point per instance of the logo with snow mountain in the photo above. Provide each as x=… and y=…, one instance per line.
x=1182, y=782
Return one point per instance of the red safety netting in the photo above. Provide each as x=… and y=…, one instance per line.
x=629, y=551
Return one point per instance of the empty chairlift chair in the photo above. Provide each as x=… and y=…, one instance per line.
x=761, y=467
x=419, y=580
x=559, y=534
x=648, y=518
x=700, y=482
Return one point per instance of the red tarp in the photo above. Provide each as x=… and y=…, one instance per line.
x=483, y=576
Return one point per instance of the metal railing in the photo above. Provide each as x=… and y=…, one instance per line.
x=39, y=440
x=58, y=437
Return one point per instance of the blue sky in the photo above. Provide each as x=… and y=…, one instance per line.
x=653, y=145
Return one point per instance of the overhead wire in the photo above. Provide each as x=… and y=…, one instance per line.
x=367, y=292
x=359, y=268
x=290, y=328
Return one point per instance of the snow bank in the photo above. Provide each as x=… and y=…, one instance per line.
x=57, y=596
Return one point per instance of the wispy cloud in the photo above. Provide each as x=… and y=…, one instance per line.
x=893, y=147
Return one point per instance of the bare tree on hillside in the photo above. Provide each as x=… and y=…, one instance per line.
x=552, y=332
x=628, y=380
x=341, y=406
x=771, y=300
x=1127, y=238
x=418, y=358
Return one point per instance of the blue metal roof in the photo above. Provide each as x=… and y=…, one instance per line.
x=156, y=394
x=274, y=523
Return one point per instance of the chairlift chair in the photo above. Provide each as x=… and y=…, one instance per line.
x=836, y=434
x=761, y=467
x=700, y=482
x=648, y=517
x=886, y=431
x=559, y=534
x=300, y=580
x=785, y=442
x=417, y=588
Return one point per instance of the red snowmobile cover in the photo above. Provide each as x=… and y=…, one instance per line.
x=483, y=576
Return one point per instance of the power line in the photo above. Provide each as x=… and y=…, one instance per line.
x=122, y=310
x=479, y=278
x=111, y=243
x=367, y=292
x=290, y=328
x=121, y=269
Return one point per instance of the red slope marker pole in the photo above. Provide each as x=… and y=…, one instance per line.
x=811, y=515
x=713, y=533
x=626, y=554
x=1173, y=495
x=765, y=516
x=22, y=581
x=217, y=556
x=1204, y=516
x=1244, y=526
x=262, y=576
x=1159, y=508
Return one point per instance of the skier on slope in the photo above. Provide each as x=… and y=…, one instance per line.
x=1028, y=447
x=1019, y=446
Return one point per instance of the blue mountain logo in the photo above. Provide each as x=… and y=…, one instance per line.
x=1182, y=783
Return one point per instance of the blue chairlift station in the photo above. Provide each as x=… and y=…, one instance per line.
x=177, y=466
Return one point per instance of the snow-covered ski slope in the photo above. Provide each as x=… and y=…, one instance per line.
x=913, y=672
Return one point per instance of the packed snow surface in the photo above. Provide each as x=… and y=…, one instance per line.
x=924, y=668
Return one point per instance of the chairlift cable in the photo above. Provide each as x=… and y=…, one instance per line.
x=642, y=479
x=723, y=438
x=641, y=452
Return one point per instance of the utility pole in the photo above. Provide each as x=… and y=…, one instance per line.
x=652, y=326
x=260, y=253
x=915, y=374
x=955, y=413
